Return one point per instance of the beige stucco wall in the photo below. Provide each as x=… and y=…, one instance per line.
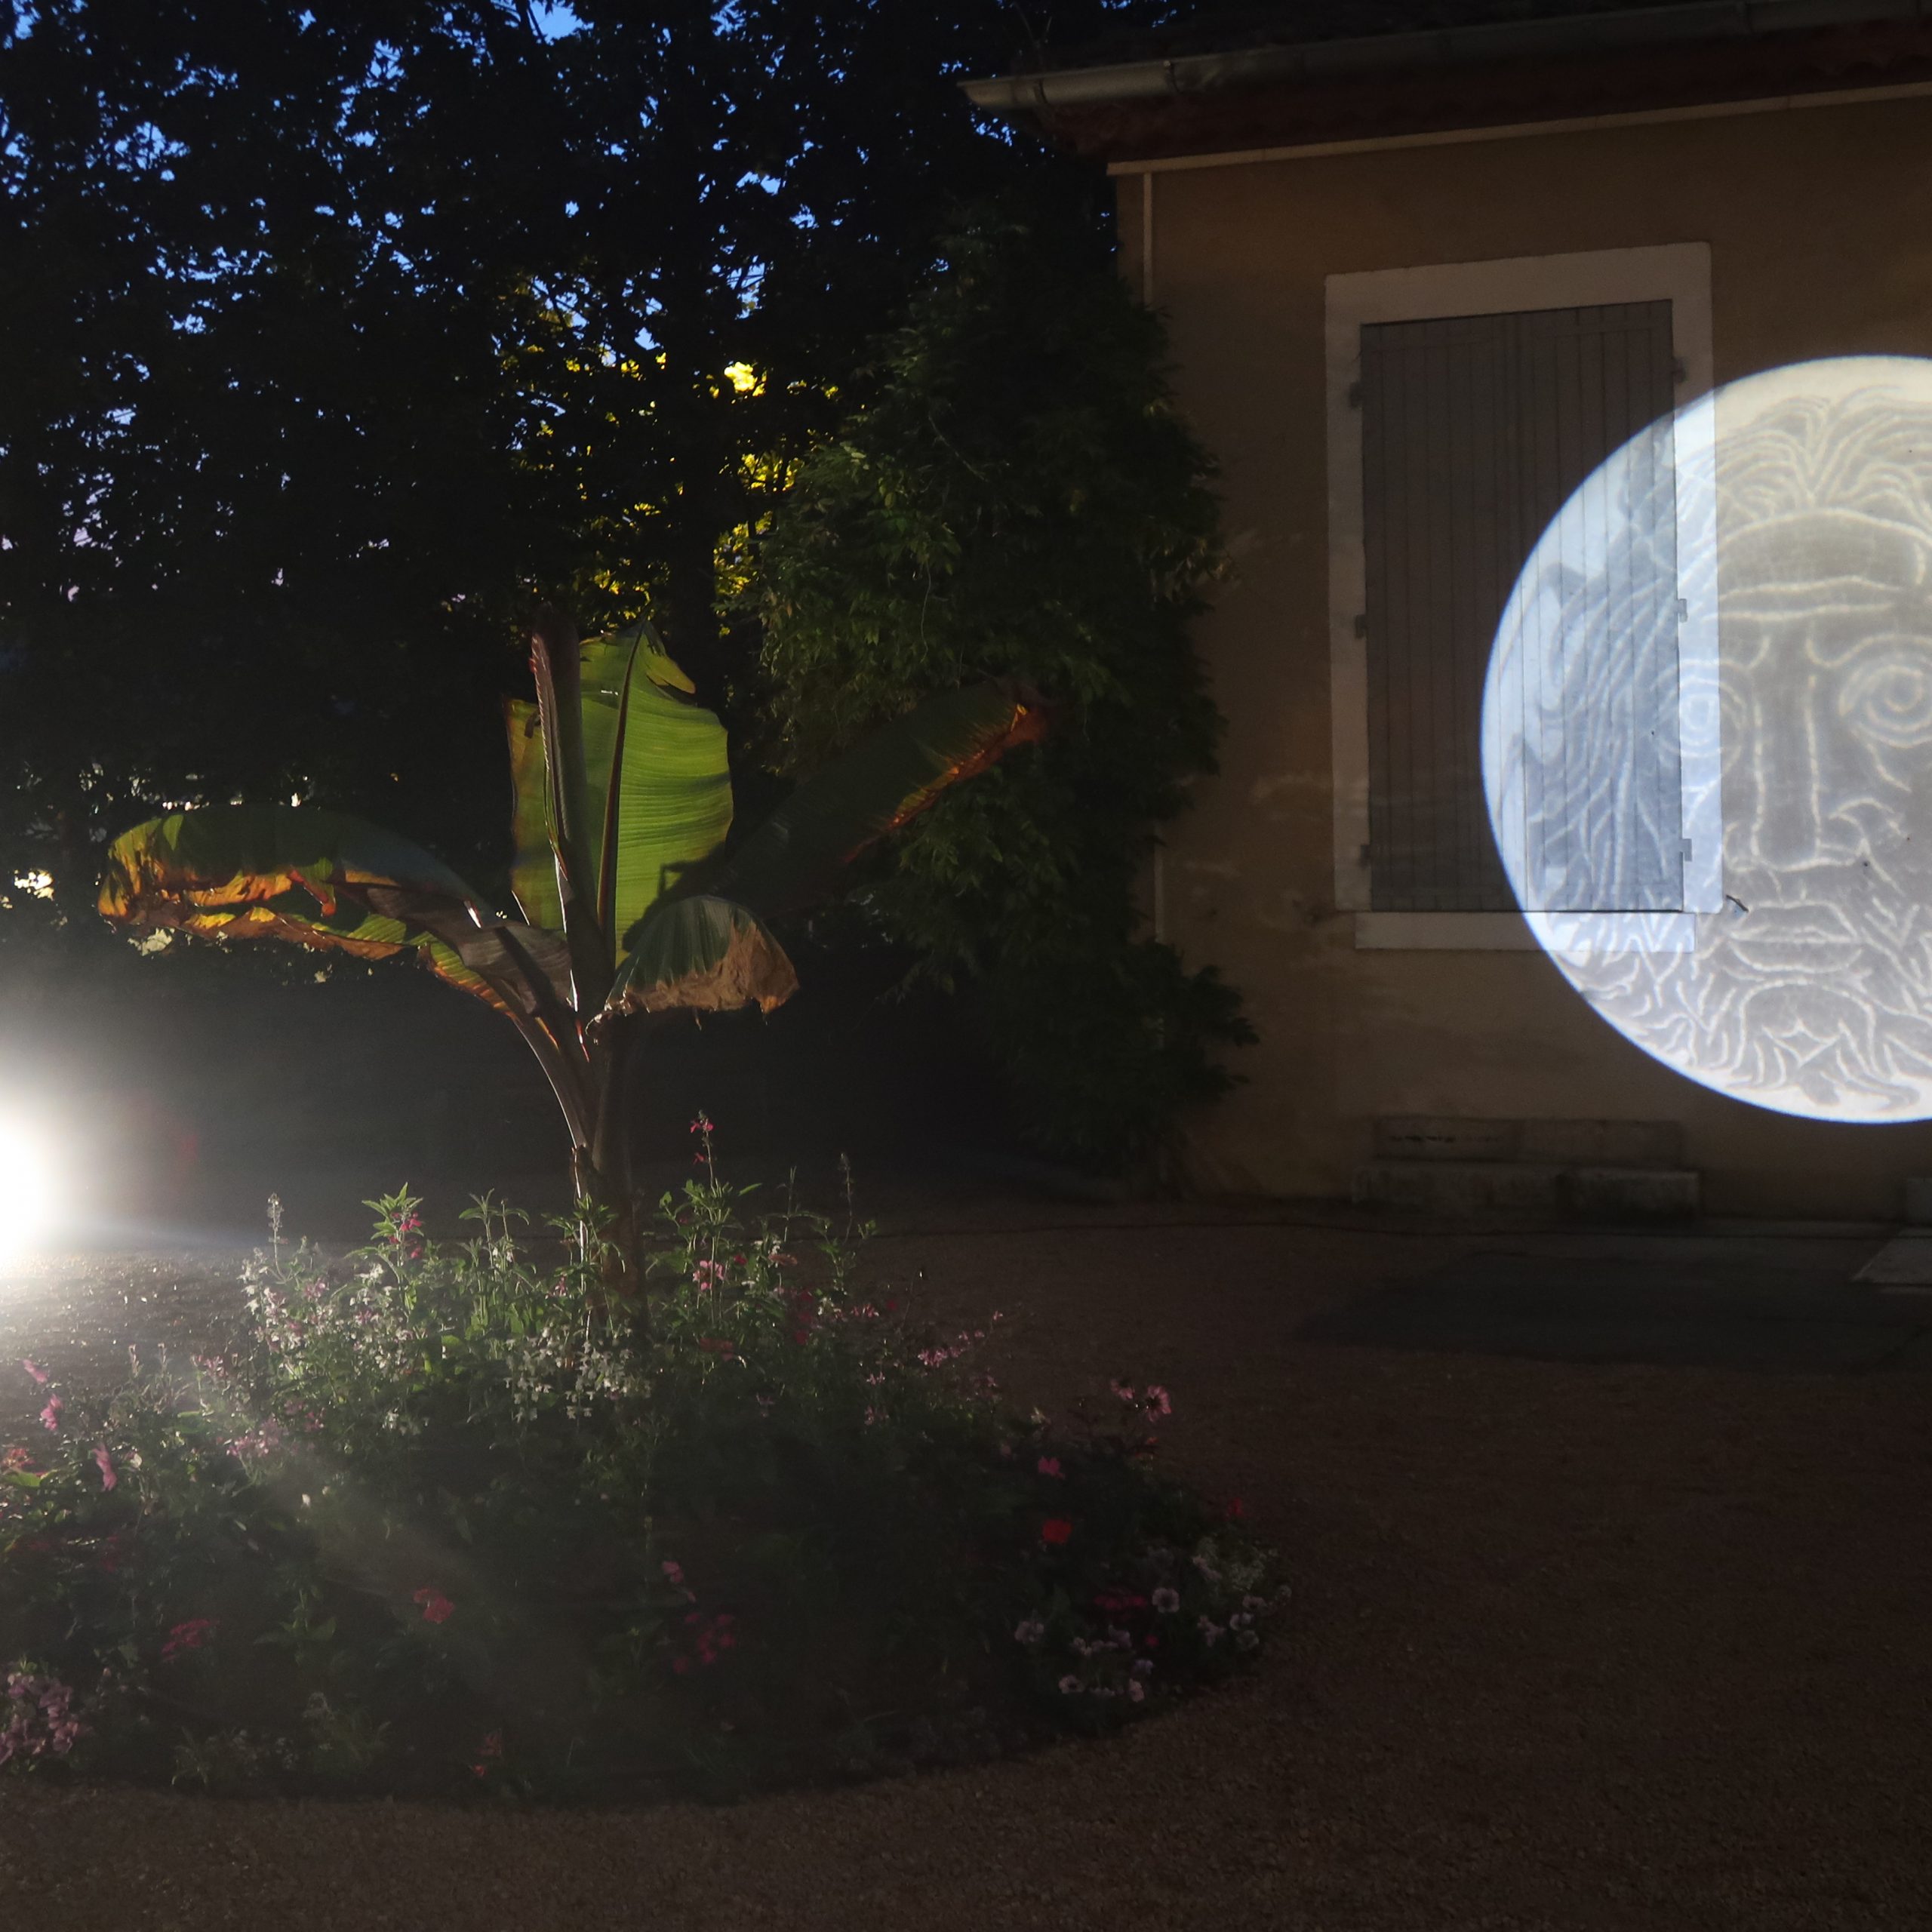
x=1819, y=224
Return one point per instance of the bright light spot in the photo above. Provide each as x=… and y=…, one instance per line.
x=1707, y=739
x=29, y=1189
x=35, y=884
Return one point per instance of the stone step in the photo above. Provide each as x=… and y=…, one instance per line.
x=1561, y=1143
x=1458, y=1190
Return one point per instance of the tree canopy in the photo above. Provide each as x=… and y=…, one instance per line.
x=332, y=332
x=338, y=335
x=1020, y=498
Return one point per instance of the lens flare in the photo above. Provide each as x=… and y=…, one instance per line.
x=29, y=1189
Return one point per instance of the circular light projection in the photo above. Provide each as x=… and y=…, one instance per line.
x=1707, y=739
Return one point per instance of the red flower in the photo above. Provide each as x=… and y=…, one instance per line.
x=1056, y=1530
x=188, y=1636
x=437, y=1608
x=1236, y=1508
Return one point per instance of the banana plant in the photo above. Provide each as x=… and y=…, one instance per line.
x=630, y=900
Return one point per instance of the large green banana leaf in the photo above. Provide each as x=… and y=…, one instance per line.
x=795, y=858
x=658, y=785
x=533, y=863
x=327, y=880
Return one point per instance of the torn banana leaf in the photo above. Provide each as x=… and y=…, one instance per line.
x=325, y=880
x=701, y=954
x=795, y=858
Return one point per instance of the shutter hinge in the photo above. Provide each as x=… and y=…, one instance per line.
x=1354, y=395
x=1684, y=609
x=1678, y=373
x=1361, y=624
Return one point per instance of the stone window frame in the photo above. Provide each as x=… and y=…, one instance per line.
x=1678, y=273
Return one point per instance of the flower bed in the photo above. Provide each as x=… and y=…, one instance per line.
x=442, y=1520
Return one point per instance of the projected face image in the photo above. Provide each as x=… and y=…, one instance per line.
x=1781, y=713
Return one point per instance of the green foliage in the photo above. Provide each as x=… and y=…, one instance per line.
x=622, y=793
x=444, y=1519
x=1018, y=498
x=330, y=331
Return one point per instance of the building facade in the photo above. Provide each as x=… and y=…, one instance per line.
x=1419, y=287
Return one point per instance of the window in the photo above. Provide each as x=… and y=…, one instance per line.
x=1467, y=406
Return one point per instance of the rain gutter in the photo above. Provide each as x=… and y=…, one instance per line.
x=1329, y=60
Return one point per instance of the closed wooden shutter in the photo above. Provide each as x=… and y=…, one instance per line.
x=1476, y=430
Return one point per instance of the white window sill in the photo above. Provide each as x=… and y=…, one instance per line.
x=1509, y=932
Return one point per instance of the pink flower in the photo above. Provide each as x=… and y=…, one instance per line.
x=1029, y=1631
x=1068, y=1684
x=39, y=1718
x=1049, y=1466
x=437, y=1608
x=1056, y=1530
x=103, y=1461
x=51, y=1416
x=674, y=1573
x=38, y=1374
x=1167, y=1601
x=1124, y=1390
x=702, y=1125
x=1156, y=1400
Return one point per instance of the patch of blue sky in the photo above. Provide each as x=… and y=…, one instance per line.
x=554, y=20
x=145, y=146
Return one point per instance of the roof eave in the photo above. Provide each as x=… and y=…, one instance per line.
x=1623, y=30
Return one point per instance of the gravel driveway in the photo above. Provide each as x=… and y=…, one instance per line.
x=1572, y=1645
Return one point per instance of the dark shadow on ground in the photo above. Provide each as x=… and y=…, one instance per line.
x=1706, y=1303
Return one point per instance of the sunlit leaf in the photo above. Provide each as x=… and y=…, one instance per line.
x=660, y=776
x=658, y=785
